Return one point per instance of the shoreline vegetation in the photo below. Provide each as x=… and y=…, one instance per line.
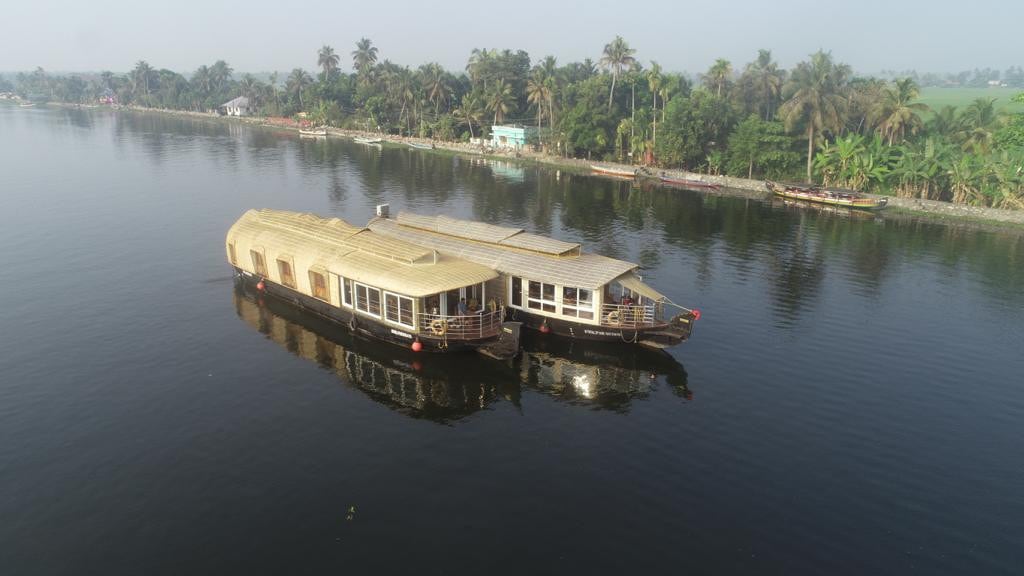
x=817, y=122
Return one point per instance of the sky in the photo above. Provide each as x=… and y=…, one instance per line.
x=682, y=36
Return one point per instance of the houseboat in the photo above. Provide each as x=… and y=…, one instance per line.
x=550, y=285
x=830, y=196
x=378, y=286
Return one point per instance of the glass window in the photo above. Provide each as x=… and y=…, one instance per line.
x=578, y=302
x=318, y=283
x=398, y=309
x=284, y=269
x=258, y=265
x=346, y=291
x=367, y=299
x=541, y=296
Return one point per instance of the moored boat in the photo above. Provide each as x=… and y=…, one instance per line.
x=550, y=285
x=378, y=286
x=830, y=196
x=363, y=140
x=420, y=146
x=688, y=183
x=313, y=131
x=613, y=171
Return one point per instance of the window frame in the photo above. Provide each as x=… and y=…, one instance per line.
x=398, y=301
x=574, y=309
x=345, y=286
x=291, y=272
x=327, y=286
x=542, y=303
x=259, y=262
x=367, y=288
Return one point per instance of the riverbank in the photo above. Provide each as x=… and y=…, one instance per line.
x=947, y=213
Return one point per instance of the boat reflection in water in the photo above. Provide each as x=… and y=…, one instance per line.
x=444, y=388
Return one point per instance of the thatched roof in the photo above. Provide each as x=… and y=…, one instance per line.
x=507, y=250
x=333, y=245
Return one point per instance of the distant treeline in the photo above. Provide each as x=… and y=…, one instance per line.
x=817, y=121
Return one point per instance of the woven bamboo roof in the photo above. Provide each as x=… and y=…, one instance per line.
x=334, y=245
x=489, y=233
x=568, y=268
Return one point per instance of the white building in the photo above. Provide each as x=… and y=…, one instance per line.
x=237, y=107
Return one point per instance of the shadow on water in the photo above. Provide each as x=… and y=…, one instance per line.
x=446, y=388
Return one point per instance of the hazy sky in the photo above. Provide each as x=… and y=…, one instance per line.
x=261, y=35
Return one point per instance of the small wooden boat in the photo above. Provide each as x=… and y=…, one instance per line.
x=613, y=171
x=312, y=131
x=549, y=285
x=688, y=183
x=27, y=104
x=362, y=140
x=830, y=196
x=379, y=287
x=419, y=146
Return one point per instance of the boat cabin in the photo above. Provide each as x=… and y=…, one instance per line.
x=549, y=284
x=390, y=288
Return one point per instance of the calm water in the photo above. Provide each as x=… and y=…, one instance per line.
x=851, y=402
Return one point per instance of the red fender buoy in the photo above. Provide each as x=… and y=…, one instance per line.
x=261, y=286
x=544, y=328
x=417, y=346
x=696, y=314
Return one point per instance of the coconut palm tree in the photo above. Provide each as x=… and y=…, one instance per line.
x=654, y=83
x=500, y=100
x=766, y=80
x=297, y=81
x=717, y=77
x=363, y=58
x=815, y=97
x=435, y=84
x=979, y=121
x=328, y=61
x=897, y=112
x=142, y=75
x=538, y=92
x=220, y=74
x=252, y=89
x=616, y=57
x=470, y=111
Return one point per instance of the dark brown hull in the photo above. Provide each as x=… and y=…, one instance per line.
x=654, y=336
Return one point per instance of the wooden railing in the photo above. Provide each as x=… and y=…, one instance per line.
x=627, y=315
x=471, y=326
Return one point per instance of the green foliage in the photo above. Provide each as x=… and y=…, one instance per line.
x=762, y=148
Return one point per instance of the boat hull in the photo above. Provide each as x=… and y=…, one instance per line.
x=691, y=184
x=655, y=336
x=820, y=196
x=358, y=324
x=616, y=172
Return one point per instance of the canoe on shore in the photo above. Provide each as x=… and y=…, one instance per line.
x=419, y=146
x=312, y=131
x=830, y=196
x=688, y=183
x=362, y=140
x=613, y=171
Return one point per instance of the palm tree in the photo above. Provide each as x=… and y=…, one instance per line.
x=141, y=76
x=538, y=91
x=654, y=82
x=897, y=112
x=252, y=89
x=617, y=55
x=435, y=83
x=979, y=121
x=815, y=97
x=272, y=87
x=500, y=100
x=470, y=110
x=297, y=81
x=220, y=73
x=718, y=75
x=363, y=58
x=767, y=80
x=328, y=61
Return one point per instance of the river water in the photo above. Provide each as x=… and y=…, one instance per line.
x=851, y=401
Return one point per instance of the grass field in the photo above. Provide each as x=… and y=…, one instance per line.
x=936, y=98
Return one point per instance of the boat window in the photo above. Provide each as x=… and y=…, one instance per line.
x=578, y=302
x=284, y=268
x=231, y=253
x=258, y=265
x=517, y=291
x=367, y=299
x=318, y=282
x=541, y=296
x=346, y=291
x=398, y=309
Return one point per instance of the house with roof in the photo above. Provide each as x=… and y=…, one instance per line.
x=237, y=107
x=513, y=136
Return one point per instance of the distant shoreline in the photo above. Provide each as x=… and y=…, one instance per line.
x=957, y=215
